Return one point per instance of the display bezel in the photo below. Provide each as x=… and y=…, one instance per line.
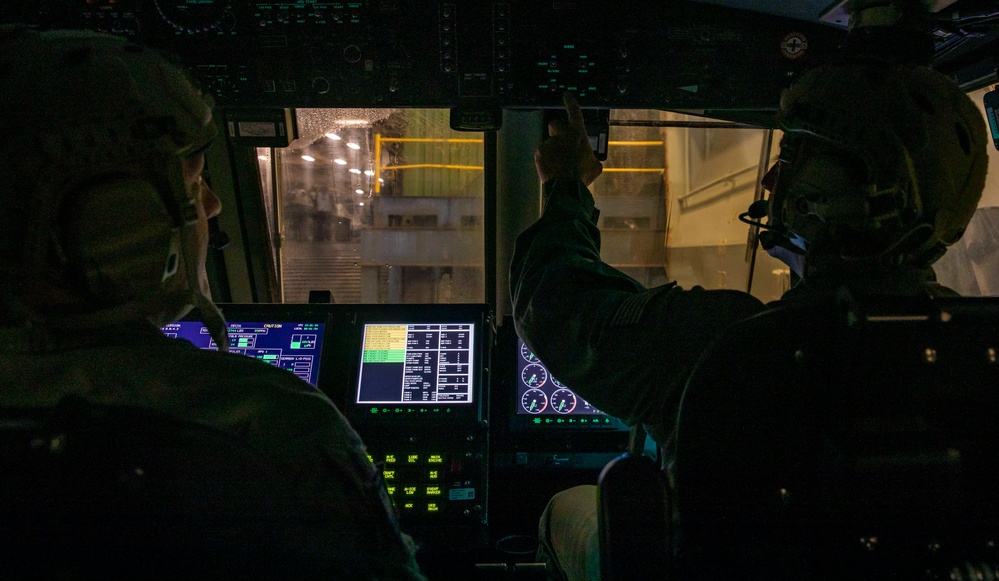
x=550, y=391
x=280, y=313
x=507, y=388
x=428, y=314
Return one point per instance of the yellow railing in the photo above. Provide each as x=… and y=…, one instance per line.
x=379, y=140
x=378, y=155
x=635, y=169
x=634, y=143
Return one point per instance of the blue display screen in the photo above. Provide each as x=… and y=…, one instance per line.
x=290, y=345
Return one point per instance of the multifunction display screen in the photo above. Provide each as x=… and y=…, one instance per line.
x=540, y=394
x=412, y=363
x=295, y=346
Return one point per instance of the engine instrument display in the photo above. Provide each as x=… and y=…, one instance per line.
x=541, y=395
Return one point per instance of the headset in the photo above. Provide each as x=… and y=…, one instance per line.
x=109, y=216
x=878, y=162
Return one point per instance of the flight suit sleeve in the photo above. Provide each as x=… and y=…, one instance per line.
x=624, y=348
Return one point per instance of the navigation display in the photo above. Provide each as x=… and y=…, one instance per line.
x=294, y=346
x=406, y=363
x=540, y=394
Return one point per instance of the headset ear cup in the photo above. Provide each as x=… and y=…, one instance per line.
x=119, y=240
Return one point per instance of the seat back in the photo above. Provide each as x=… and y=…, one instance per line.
x=633, y=517
x=92, y=491
x=852, y=436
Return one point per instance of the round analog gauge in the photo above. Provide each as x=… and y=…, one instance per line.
x=563, y=401
x=555, y=381
x=527, y=354
x=534, y=401
x=534, y=375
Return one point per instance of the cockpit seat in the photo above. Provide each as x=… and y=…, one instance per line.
x=633, y=516
x=853, y=437
x=95, y=491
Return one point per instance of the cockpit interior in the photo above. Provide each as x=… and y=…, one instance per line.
x=375, y=163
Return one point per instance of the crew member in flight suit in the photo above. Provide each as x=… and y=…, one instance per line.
x=104, y=240
x=881, y=167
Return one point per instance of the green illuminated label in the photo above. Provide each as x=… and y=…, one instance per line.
x=384, y=355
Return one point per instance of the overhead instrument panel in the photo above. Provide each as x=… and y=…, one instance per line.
x=397, y=53
x=196, y=16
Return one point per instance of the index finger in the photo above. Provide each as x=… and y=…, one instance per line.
x=574, y=112
x=557, y=127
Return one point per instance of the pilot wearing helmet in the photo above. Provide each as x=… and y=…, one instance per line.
x=881, y=168
x=104, y=239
